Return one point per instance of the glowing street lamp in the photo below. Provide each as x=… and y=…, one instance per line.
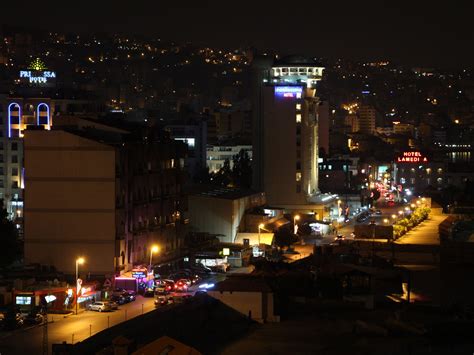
x=153, y=249
x=79, y=261
x=295, y=226
x=260, y=226
x=412, y=205
x=394, y=216
x=400, y=212
x=386, y=220
x=407, y=209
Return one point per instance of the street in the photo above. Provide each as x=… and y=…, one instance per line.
x=426, y=233
x=72, y=328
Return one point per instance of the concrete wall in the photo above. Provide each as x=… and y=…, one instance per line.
x=220, y=215
x=211, y=215
x=69, y=202
x=244, y=302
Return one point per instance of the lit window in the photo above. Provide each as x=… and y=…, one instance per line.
x=439, y=180
x=298, y=95
x=298, y=118
x=440, y=171
x=298, y=176
x=298, y=106
x=23, y=300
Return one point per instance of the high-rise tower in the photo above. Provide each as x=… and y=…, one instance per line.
x=285, y=132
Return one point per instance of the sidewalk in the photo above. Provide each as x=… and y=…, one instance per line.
x=242, y=270
x=426, y=233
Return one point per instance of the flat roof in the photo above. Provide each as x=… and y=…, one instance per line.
x=228, y=193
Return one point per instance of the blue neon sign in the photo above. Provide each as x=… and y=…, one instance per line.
x=14, y=104
x=47, y=114
x=288, y=91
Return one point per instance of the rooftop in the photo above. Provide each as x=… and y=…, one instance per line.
x=228, y=193
x=295, y=61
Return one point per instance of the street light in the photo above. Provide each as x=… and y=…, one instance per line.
x=407, y=209
x=260, y=226
x=154, y=249
x=78, y=261
x=400, y=212
x=412, y=205
x=394, y=216
x=295, y=227
x=386, y=220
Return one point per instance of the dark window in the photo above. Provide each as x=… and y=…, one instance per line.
x=14, y=171
x=14, y=146
x=298, y=188
x=14, y=158
x=298, y=165
x=15, y=184
x=1, y=170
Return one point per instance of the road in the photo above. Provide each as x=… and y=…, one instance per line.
x=426, y=233
x=73, y=329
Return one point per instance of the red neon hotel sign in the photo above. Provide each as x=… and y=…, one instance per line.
x=412, y=157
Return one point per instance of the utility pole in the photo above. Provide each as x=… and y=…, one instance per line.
x=372, y=223
x=45, y=334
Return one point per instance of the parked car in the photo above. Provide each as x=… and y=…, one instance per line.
x=99, y=306
x=119, y=299
x=181, y=299
x=162, y=300
x=362, y=217
x=113, y=305
x=195, y=279
x=164, y=286
x=188, y=282
x=181, y=286
x=149, y=292
x=33, y=318
x=128, y=295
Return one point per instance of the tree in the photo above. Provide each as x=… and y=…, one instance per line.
x=10, y=249
x=242, y=170
x=224, y=176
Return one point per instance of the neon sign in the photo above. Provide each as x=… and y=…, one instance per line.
x=11, y=114
x=37, y=76
x=412, y=157
x=288, y=91
x=38, y=115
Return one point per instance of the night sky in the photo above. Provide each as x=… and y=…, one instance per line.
x=413, y=33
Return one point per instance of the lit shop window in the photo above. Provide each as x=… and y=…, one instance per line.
x=298, y=107
x=298, y=118
x=298, y=176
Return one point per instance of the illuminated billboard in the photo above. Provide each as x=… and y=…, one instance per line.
x=412, y=157
x=288, y=91
x=37, y=76
x=37, y=73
